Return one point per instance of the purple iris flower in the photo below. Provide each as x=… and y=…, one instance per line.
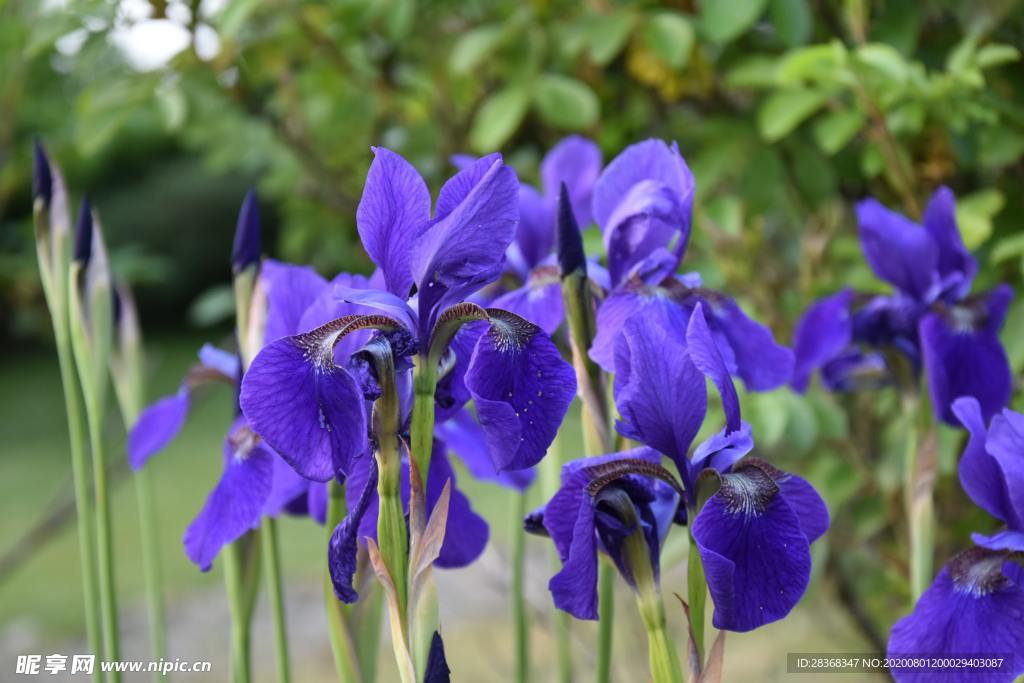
x=302, y=397
x=928, y=321
x=992, y=470
x=643, y=202
x=458, y=549
x=975, y=606
x=753, y=535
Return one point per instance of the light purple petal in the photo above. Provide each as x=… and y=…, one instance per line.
x=539, y=301
x=576, y=161
x=394, y=207
x=1004, y=540
x=224, y=362
x=156, y=427
x=719, y=451
x=310, y=411
x=823, y=332
x=235, y=504
x=290, y=291
x=377, y=300
x=897, y=249
x=633, y=298
x=521, y=387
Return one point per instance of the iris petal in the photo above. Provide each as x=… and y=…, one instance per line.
x=980, y=473
x=156, y=427
x=290, y=291
x=576, y=161
x=344, y=544
x=897, y=249
x=824, y=331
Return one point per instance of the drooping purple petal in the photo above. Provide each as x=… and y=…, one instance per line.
x=576, y=161
x=156, y=427
x=756, y=557
x=539, y=300
x=957, y=267
x=288, y=491
x=308, y=409
x=574, y=588
x=393, y=209
x=344, y=544
x=1005, y=442
x=521, y=387
x=660, y=393
x=464, y=436
x=704, y=354
x=824, y=331
x=464, y=249
x=972, y=608
x=235, y=504
x=290, y=291
x=897, y=249
x=963, y=355
x=466, y=532
x=980, y=473
x=806, y=503
x=760, y=361
x=451, y=394
x=633, y=298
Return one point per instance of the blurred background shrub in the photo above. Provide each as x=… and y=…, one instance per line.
x=788, y=111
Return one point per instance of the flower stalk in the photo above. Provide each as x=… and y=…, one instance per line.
x=346, y=659
x=919, y=495
x=520, y=621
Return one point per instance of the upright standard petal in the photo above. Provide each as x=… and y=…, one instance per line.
x=344, y=544
x=535, y=235
x=957, y=267
x=393, y=209
x=290, y=291
x=521, y=387
x=575, y=161
x=963, y=355
x=660, y=393
x=756, y=556
x=981, y=474
x=705, y=355
x=465, y=249
x=156, y=427
x=539, y=300
x=309, y=410
x=972, y=608
x=635, y=297
x=824, y=331
x=1005, y=442
x=897, y=249
x=236, y=503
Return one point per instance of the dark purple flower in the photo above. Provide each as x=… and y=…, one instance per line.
x=468, y=532
x=248, y=245
x=42, y=177
x=467, y=440
x=587, y=514
x=236, y=504
x=992, y=470
x=975, y=607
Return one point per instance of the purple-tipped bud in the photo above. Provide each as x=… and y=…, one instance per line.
x=83, y=233
x=571, y=257
x=42, y=178
x=247, y=247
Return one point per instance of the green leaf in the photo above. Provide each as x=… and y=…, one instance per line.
x=885, y=60
x=792, y=20
x=834, y=130
x=784, y=110
x=233, y=16
x=756, y=71
x=606, y=34
x=974, y=214
x=822, y=63
x=473, y=47
x=1008, y=248
x=498, y=118
x=565, y=102
x=996, y=54
x=722, y=21
x=669, y=35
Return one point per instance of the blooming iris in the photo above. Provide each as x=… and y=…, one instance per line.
x=753, y=534
x=976, y=603
x=929, y=320
x=643, y=203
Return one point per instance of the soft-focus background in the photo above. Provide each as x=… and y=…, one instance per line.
x=787, y=111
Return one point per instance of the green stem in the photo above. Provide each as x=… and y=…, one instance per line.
x=346, y=660
x=605, y=624
x=234, y=584
x=83, y=501
x=371, y=615
x=151, y=562
x=104, y=540
x=550, y=472
x=272, y=558
x=696, y=593
x=519, y=616
x=662, y=655
x=421, y=430
x=919, y=502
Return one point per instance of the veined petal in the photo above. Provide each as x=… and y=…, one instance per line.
x=660, y=393
x=963, y=355
x=824, y=331
x=972, y=608
x=521, y=387
x=719, y=452
x=574, y=588
x=1005, y=442
x=760, y=361
x=290, y=291
x=649, y=217
x=235, y=504
x=156, y=427
x=375, y=299
x=956, y=265
x=307, y=408
x=756, y=556
x=394, y=207
x=897, y=249
x=705, y=356
x=633, y=298
x=576, y=161
x=539, y=300
x=344, y=544
x=466, y=438
x=535, y=236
